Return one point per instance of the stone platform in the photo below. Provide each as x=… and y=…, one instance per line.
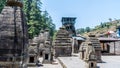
x=57, y=65
x=76, y=62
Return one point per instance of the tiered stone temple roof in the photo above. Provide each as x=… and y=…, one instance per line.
x=13, y=34
x=95, y=43
x=90, y=52
x=47, y=49
x=90, y=56
x=41, y=46
x=63, y=46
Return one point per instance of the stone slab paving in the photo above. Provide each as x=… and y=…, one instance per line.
x=49, y=65
x=75, y=62
x=110, y=62
x=72, y=62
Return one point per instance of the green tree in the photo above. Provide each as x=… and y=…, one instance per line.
x=80, y=31
x=87, y=29
x=48, y=23
x=2, y=3
x=102, y=25
x=35, y=19
x=33, y=16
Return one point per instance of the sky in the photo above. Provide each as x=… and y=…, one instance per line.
x=89, y=13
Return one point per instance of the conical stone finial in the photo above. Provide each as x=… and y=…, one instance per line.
x=14, y=3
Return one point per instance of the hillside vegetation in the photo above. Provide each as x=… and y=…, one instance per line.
x=101, y=29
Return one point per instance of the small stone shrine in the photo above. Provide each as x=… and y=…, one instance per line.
x=13, y=36
x=33, y=51
x=47, y=53
x=90, y=56
x=95, y=43
x=41, y=43
x=47, y=49
x=43, y=47
x=62, y=44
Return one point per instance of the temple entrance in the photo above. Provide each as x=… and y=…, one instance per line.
x=108, y=48
x=105, y=48
x=31, y=60
x=46, y=56
x=82, y=55
x=41, y=53
x=92, y=65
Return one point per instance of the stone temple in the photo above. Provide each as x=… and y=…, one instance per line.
x=40, y=47
x=46, y=50
x=13, y=36
x=32, y=52
x=95, y=43
x=90, y=56
x=62, y=44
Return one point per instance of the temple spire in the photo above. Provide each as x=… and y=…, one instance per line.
x=14, y=3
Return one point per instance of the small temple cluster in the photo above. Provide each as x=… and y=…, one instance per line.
x=40, y=46
x=17, y=51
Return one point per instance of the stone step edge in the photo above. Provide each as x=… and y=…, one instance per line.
x=62, y=64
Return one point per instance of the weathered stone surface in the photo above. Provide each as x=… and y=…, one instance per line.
x=62, y=44
x=96, y=44
x=90, y=56
x=13, y=35
x=41, y=46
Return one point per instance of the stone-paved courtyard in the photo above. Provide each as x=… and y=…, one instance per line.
x=76, y=62
x=110, y=62
x=58, y=65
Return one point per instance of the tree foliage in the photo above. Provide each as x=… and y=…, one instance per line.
x=87, y=29
x=37, y=19
x=80, y=31
x=2, y=3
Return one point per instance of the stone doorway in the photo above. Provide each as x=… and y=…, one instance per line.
x=46, y=56
x=31, y=60
x=41, y=53
x=92, y=65
x=108, y=48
